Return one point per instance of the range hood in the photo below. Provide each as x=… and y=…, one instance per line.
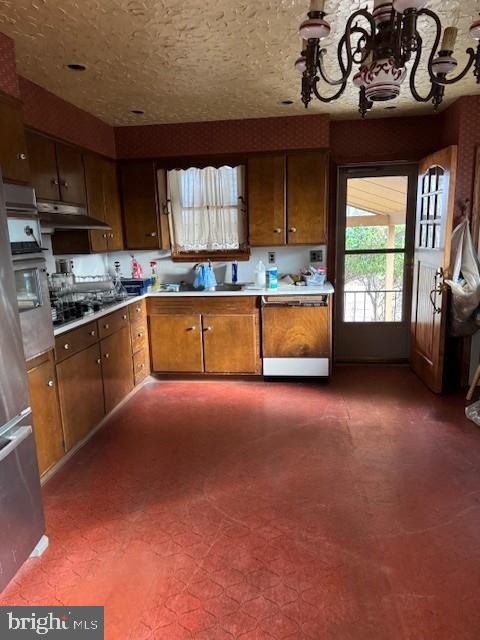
x=56, y=215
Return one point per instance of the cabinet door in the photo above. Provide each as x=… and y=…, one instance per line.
x=296, y=332
x=176, y=343
x=47, y=426
x=113, y=211
x=80, y=389
x=266, y=200
x=117, y=367
x=307, y=175
x=139, y=198
x=71, y=174
x=231, y=343
x=95, y=199
x=43, y=166
x=13, y=147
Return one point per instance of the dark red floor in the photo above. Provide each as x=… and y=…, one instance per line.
x=226, y=510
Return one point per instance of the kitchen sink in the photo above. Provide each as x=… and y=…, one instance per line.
x=220, y=287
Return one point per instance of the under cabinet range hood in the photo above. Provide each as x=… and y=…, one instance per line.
x=57, y=215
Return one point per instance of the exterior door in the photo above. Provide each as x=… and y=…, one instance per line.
x=375, y=228
x=433, y=230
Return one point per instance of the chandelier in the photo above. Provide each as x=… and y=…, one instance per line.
x=379, y=44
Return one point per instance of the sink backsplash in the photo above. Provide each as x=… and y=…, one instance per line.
x=288, y=260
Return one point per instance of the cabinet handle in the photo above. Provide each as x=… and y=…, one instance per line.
x=22, y=156
x=152, y=234
x=292, y=229
x=50, y=383
x=99, y=361
x=91, y=333
x=208, y=329
x=66, y=346
x=277, y=230
x=106, y=326
x=107, y=355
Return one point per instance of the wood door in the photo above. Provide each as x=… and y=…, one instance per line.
x=71, y=174
x=307, y=181
x=433, y=230
x=296, y=332
x=176, y=343
x=117, y=367
x=139, y=199
x=266, y=200
x=95, y=199
x=231, y=343
x=43, y=166
x=113, y=211
x=13, y=147
x=47, y=425
x=80, y=390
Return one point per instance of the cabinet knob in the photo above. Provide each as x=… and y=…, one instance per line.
x=124, y=317
x=208, y=329
x=91, y=333
x=106, y=326
x=22, y=156
x=277, y=230
x=50, y=383
x=140, y=335
x=292, y=229
x=99, y=361
x=54, y=181
x=192, y=328
x=152, y=234
x=104, y=235
x=66, y=346
x=65, y=184
x=142, y=366
x=107, y=355
x=138, y=309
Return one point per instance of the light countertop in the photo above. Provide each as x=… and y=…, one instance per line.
x=289, y=290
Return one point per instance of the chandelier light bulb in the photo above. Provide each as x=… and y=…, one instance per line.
x=317, y=5
x=300, y=64
x=316, y=28
x=405, y=5
x=449, y=39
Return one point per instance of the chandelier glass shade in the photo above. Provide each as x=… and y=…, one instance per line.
x=374, y=51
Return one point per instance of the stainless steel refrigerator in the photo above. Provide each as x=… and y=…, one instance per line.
x=22, y=524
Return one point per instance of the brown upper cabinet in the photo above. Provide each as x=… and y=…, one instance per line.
x=103, y=202
x=287, y=197
x=13, y=148
x=145, y=225
x=57, y=171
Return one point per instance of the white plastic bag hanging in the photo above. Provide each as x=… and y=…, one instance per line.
x=465, y=281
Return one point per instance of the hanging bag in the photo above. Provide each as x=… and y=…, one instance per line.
x=465, y=281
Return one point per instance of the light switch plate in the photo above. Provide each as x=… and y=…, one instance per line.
x=271, y=257
x=316, y=255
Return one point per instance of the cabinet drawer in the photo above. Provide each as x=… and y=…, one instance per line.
x=138, y=311
x=139, y=335
x=113, y=322
x=141, y=365
x=76, y=340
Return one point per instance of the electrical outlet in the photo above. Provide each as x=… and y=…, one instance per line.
x=316, y=255
x=271, y=257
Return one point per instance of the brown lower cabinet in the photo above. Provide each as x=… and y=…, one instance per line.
x=80, y=387
x=117, y=366
x=209, y=335
x=47, y=424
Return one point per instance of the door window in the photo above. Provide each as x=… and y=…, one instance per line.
x=374, y=257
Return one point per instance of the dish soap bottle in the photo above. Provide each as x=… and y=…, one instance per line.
x=260, y=275
x=155, y=283
x=272, y=276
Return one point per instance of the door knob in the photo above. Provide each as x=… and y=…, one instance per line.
x=50, y=383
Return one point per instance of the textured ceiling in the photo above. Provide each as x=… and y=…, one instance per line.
x=188, y=60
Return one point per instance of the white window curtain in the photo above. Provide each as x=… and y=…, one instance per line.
x=207, y=208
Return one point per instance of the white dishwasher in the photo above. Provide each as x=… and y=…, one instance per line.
x=297, y=332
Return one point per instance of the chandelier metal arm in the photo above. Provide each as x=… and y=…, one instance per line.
x=341, y=44
x=345, y=41
x=335, y=96
x=462, y=74
x=416, y=62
